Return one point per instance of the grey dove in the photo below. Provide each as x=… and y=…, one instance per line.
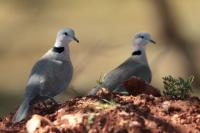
x=135, y=66
x=50, y=75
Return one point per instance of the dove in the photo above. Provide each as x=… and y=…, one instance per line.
x=50, y=75
x=135, y=66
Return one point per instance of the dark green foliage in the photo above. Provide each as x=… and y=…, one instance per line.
x=177, y=88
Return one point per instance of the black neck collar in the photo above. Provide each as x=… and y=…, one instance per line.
x=137, y=53
x=58, y=49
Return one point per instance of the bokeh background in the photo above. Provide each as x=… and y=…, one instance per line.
x=105, y=29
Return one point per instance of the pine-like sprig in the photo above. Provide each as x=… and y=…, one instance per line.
x=177, y=88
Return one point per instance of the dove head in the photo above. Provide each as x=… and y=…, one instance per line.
x=141, y=39
x=66, y=35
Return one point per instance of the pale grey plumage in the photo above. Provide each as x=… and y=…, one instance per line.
x=129, y=68
x=50, y=75
x=136, y=65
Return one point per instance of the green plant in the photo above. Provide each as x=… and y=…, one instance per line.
x=91, y=118
x=111, y=103
x=101, y=79
x=105, y=104
x=177, y=88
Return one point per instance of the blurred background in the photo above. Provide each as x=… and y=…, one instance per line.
x=105, y=30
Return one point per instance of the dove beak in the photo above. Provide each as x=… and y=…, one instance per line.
x=152, y=41
x=75, y=39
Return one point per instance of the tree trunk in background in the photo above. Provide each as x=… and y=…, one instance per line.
x=170, y=31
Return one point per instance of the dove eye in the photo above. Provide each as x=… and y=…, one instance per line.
x=66, y=33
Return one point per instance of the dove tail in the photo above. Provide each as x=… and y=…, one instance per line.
x=22, y=111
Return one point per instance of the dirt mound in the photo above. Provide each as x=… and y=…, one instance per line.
x=113, y=113
x=136, y=86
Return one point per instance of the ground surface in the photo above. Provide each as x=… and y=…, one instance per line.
x=113, y=113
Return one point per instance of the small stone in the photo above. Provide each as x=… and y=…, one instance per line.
x=175, y=116
x=135, y=123
x=73, y=119
x=166, y=106
x=33, y=124
x=182, y=121
x=61, y=110
x=197, y=121
x=151, y=97
x=36, y=122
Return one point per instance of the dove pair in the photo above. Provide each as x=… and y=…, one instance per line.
x=53, y=72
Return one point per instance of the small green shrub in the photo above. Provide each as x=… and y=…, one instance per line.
x=101, y=79
x=177, y=88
